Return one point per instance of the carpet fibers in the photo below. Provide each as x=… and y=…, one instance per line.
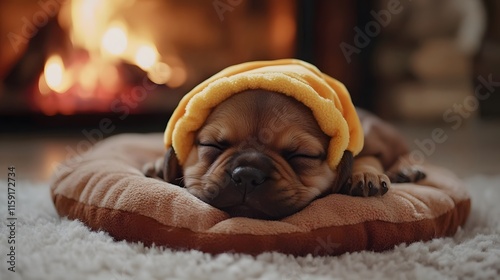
x=48, y=247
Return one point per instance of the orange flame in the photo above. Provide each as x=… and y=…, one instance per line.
x=55, y=75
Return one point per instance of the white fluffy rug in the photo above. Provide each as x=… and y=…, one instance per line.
x=48, y=247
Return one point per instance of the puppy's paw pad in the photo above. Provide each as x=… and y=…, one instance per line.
x=408, y=175
x=368, y=184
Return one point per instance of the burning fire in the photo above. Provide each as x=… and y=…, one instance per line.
x=115, y=40
x=146, y=56
x=55, y=75
x=95, y=27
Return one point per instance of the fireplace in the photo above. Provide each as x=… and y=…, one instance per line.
x=65, y=64
x=79, y=60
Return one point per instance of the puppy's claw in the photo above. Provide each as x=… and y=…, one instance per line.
x=384, y=188
x=408, y=175
x=372, y=191
x=367, y=184
x=402, y=178
x=358, y=190
x=419, y=175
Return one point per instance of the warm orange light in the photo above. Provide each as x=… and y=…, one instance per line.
x=282, y=28
x=84, y=18
x=97, y=27
x=54, y=73
x=89, y=20
x=160, y=73
x=88, y=78
x=110, y=78
x=146, y=56
x=114, y=40
x=42, y=85
x=179, y=77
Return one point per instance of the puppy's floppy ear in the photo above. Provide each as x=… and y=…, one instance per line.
x=344, y=172
x=172, y=171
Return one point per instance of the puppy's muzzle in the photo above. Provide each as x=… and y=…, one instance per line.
x=248, y=172
x=250, y=169
x=247, y=178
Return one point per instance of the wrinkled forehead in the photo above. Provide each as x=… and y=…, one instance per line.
x=270, y=118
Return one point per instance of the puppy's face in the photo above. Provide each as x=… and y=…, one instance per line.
x=260, y=154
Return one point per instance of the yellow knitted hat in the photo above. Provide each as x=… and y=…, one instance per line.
x=328, y=99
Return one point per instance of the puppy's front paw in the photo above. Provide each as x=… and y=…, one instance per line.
x=368, y=184
x=407, y=175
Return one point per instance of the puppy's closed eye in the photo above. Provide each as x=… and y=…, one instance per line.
x=303, y=161
x=305, y=156
x=211, y=149
x=212, y=144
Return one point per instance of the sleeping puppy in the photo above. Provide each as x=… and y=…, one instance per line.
x=263, y=155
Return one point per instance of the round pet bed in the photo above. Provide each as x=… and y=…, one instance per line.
x=106, y=190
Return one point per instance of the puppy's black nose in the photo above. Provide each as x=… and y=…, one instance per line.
x=248, y=177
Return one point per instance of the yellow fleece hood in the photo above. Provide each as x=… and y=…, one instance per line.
x=327, y=98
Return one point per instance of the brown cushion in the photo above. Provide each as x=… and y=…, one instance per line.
x=106, y=190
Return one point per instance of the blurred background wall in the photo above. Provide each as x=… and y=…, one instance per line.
x=68, y=64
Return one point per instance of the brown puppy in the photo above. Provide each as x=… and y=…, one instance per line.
x=262, y=154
